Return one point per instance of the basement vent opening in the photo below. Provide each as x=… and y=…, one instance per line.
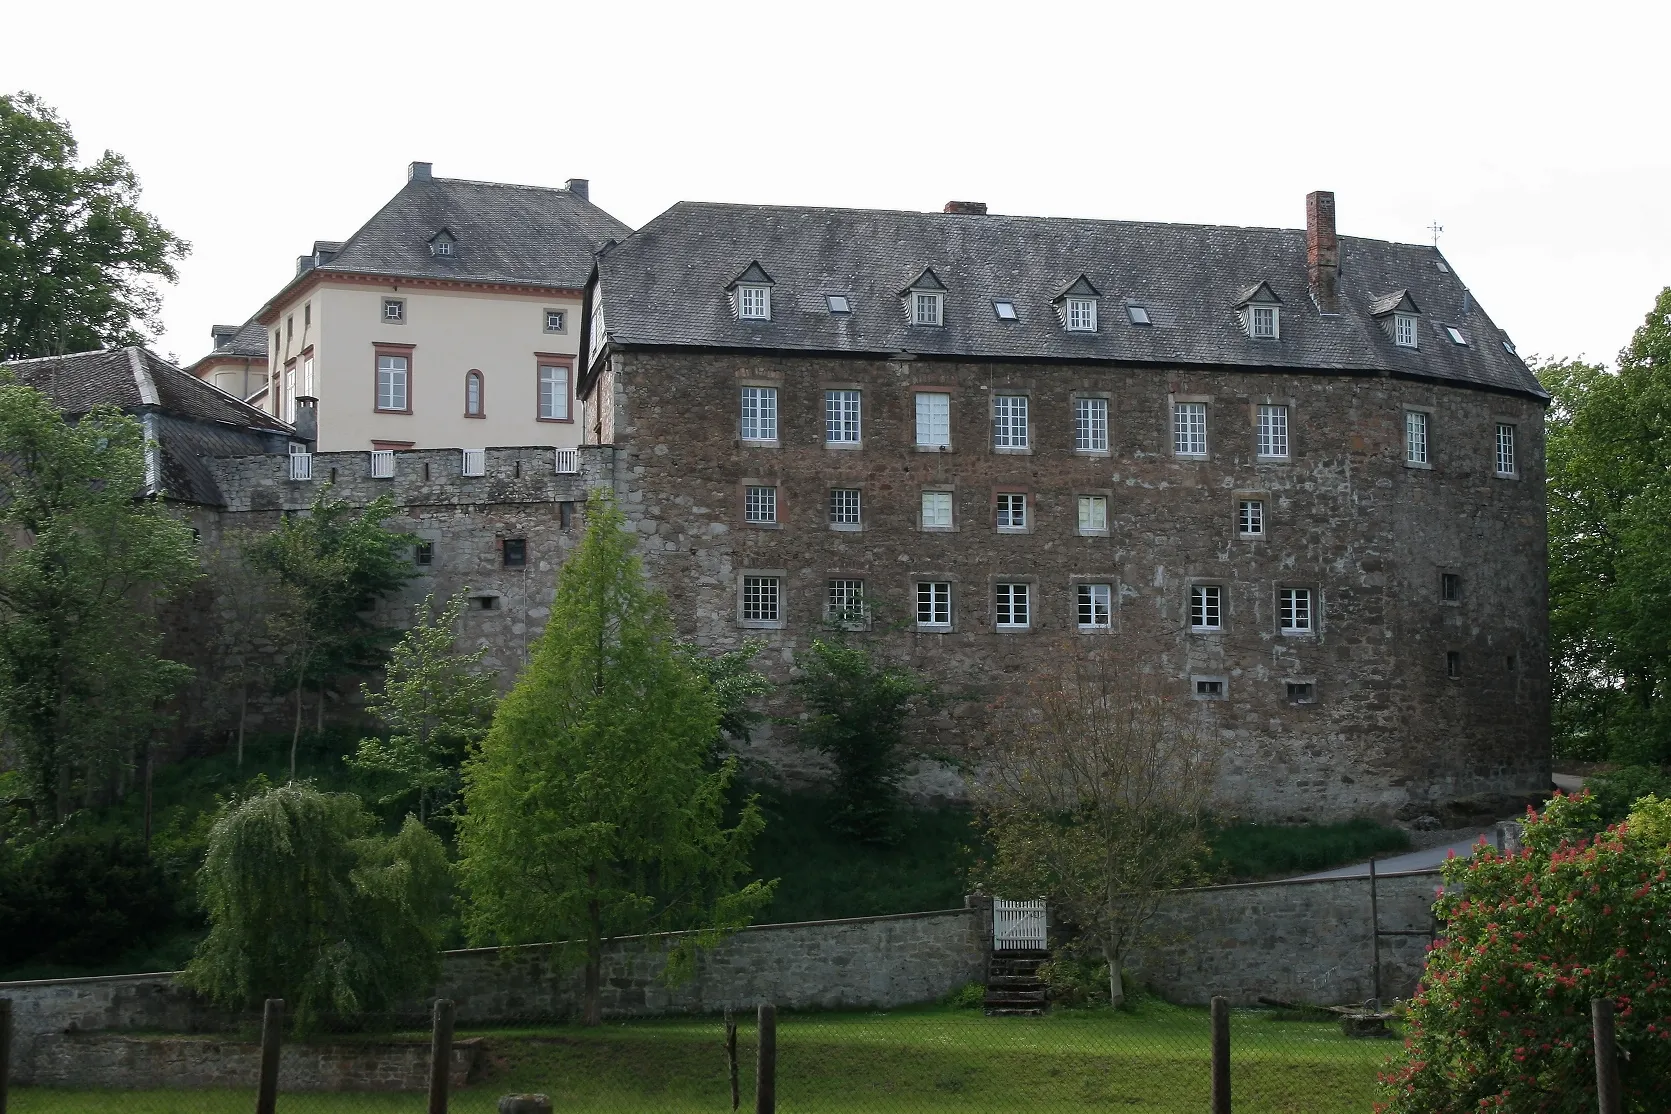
x=487, y=603
x=1302, y=692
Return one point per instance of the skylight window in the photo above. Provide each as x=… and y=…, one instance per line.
x=1456, y=335
x=1004, y=310
x=1508, y=346
x=1138, y=315
x=838, y=303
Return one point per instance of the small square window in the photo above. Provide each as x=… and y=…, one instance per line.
x=1302, y=692
x=442, y=247
x=761, y=597
x=838, y=303
x=1011, y=607
x=1250, y=518
x=934, y=604
x=754, y=303
x=1093, y=514
x=516, y=553
x=760, y=504
x=1096, y=606
x=845, y=507
x=1206, y=607
x=1004, y=310
x=1450, y=587
x=394, y=313
x=1294, y=612
x=844, y=603
x=1138, y=315
x=1508, y=346
x=937, y=510
x=423, y=554
x=1081, y=315
x=1012, y=510
x=1453, y=664
x=1209, y=688
x=1262, y=322
x=556, y=320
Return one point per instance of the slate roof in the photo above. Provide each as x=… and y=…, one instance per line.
x=665, y=286
x=525, y=235
x=249, y=341
x=191, y=418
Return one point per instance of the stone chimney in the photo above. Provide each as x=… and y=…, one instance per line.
x=580, y=187
x=419, y=171
x=966, y=208
x=1322, y=250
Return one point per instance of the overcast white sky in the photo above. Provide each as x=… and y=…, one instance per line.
x=1535, y=133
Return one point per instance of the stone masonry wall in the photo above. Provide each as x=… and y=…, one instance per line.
x=1345, y=516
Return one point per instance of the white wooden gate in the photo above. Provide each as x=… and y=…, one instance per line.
x=1018, y=925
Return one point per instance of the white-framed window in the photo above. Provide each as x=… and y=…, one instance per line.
x=442, y=247
x=844, y=601
x=1096, y=606
x=845, y=506
x=934, y=604
x=759, y=414
x=1405, y=334
x=841, y=417
x=1415, y=437
x=566, y=462
x=1012, y=510
x=927, y=307
x=307, y=378
x=392, y=375
x=1250, y=518
x=762, y=599
x=1273, y=432
x=301, y=462
x=754, y=303
x=1294, y=611
x=1262, y=322
x=1456, y=336
x=472, y=394
x=1505, y=449
x=290, y=394
x=1011, y=610
x=382, y=464
x=1206, y=607
x=1009, y=421
x=1090, y=425
x=472, y=462
x=937, y=510
x=934, y=420
x=394, y=311
x=556, y=321
x=554, y=392
x=759, y=504
x=1082, y=315
x=1189, y=428
x=1093, y=514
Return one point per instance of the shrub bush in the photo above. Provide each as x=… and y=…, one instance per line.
x=80, y=898
x=1501, y=1019
x=1618, y=789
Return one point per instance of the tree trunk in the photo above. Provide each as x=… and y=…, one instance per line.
x=147, y=797
x=1116, y=988
x=296, y=733
x=594, y=963
x=243, y=718
x=319, y=721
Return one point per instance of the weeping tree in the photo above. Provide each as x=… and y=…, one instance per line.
x=1098, y=802
x=591, y=809
x=309, y=903
x=435, y=703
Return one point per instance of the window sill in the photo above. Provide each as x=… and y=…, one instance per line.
x=932, y=628
x=1011, y=530
x=932, y=448
x=1003, y=629
x=1094, y=533
x=1298, y=633
x=937, y=529
x=1259, y=537
x=1189, y=456
x=847, y=527
x=1206, y=630
x=763, y=525
x=750, y=443
x=760, y=624
x=1011, y=450
x=1272, y=459
x=1418, y=465
x=1093, y=452
x=380, y=410
x=1508, y=475
x=1094, y=630
x=847, y=446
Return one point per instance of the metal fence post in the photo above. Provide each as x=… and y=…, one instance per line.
x=440, y=1056
x=1221, y=1054
x=1607, y=1064
x=5, y=1050
x=272, y=1023
x=765, y=1069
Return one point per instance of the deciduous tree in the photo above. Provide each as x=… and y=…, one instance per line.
x=590, y=809
x=1098, y=801
x=78, y=257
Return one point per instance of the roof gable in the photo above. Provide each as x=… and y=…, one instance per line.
x=1079, y=288
x=928, y=280
x=1399, y=301
x=753, y=275
x=1260, y=293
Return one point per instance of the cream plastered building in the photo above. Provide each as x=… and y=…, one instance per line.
x=450, y=320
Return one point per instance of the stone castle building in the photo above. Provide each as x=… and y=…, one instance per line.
x=1300, y=475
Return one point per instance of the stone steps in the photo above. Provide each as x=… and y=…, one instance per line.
x=1013, y=986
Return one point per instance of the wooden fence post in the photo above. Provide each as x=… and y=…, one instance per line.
x=272, y=1023
x=1221, y=1055
x=440, y=1056
x=1607, y=1064
x=730, y=1059
x=765, y=1069
x=5, y=1050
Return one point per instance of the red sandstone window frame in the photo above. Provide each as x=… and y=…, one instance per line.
x=544, y=360
x=474, y=375
x=408, y=352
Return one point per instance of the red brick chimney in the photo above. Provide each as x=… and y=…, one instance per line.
x=1322, y=250
x=967, y=208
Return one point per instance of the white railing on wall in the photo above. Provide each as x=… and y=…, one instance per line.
x=382, y=464
x=475, y=462
x=301, y=465
x=1018, y=925
x=568, y=462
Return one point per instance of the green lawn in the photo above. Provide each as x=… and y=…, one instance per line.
x=908, y=1061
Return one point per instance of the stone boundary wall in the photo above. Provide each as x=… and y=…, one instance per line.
x=98, y=1060
x=1294, y=940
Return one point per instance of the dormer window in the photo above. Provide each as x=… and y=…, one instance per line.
x=751, y=294
x=442, y=247
x=925, y=300
x=1261, y=312
x=442, y=244
x=1078, y=306
x=1404, y=330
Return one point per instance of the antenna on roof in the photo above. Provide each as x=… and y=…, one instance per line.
x=1436, y=228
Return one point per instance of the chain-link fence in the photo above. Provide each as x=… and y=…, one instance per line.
x=1152, y=1057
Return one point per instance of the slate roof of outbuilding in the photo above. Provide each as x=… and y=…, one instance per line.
x=524, y=235
x=249, y=341
x=665, y=286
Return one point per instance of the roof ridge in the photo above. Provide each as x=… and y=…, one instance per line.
x=513, y=186
x=142, y=377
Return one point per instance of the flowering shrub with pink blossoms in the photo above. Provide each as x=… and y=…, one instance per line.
x=1501, y=1021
